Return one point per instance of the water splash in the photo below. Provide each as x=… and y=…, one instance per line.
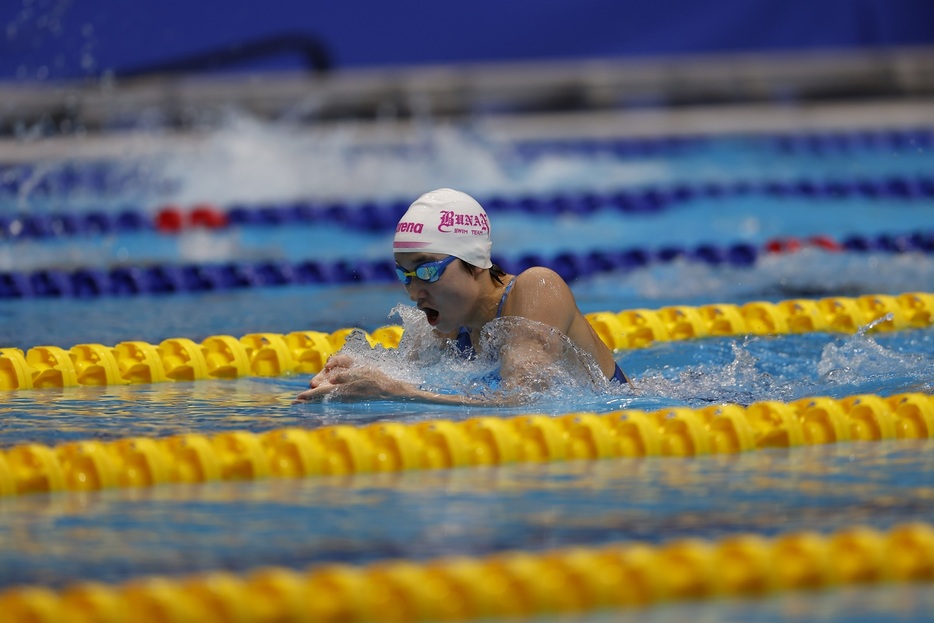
x=791, y=367
x=860, y=356
x=281, y=162
x=424, y=359
x=863, y=330
x=741, y=380
x=234, y=158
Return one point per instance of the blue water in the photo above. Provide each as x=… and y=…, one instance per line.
x=173, y=530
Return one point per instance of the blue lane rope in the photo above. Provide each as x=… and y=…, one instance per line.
x=382, y=217
x=172, y=279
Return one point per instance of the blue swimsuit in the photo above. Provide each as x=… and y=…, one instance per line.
x=619, y=376
x=465, y=346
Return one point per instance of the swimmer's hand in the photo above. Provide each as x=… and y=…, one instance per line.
x=333, y=365
x=341, y=380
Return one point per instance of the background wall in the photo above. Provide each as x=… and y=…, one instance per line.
x=65, y=39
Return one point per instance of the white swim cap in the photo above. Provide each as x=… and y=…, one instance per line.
x=449, y=222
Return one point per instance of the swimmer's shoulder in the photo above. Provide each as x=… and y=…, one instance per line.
x=538, y=280
x=539, y=293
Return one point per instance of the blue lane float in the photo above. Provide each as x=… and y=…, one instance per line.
x=163, y=279
x=63, y=225
x=382, y=217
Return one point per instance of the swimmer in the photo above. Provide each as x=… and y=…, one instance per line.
x=442, y=250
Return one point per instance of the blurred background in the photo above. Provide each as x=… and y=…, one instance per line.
x=197, y=169
x=68, y=66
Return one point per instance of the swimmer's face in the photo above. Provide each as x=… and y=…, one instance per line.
x=447, y=301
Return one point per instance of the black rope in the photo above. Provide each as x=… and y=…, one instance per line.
x=313, y=52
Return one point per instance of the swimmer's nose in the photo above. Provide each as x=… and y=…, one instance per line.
x=416, y=292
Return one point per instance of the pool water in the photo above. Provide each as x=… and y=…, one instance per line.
x=119, y=534
x=422, y=515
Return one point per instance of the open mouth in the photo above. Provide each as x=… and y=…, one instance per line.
x=431, y=315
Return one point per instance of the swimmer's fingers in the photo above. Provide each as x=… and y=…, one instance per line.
x=316, y=394
x=319, y=379
x=345, y=376
x=325, y=384
x=322, y=378
x=354, y=384
x=367, y=384
x=336, y=362
x=351, y=391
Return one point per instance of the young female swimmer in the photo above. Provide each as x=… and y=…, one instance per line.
x=442, y=251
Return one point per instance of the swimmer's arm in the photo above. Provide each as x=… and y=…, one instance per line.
x=521, y=379
x=348, y=384
x=522, y=361
x=546, y=298
x=464, y=400
x=408, y=393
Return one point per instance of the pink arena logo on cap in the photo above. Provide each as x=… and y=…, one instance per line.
x=410, y=227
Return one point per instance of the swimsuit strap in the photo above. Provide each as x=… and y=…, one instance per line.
x=463, y=342
x=502, y=301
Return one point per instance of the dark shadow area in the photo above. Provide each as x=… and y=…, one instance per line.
x=313, y=53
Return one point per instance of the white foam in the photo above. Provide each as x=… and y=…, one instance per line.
x=428, y=361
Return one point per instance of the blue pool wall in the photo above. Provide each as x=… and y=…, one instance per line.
x=70, y=40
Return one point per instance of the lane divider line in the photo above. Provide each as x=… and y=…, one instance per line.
x=480, y=441
x=305, y=352
x=506, y=584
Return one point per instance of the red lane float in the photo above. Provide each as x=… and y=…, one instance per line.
x=171, y=219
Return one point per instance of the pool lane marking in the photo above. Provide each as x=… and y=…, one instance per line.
x=305, y=352
x=380, y=447
x=512, y=583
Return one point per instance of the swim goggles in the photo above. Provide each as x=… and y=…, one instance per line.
x=428, y=272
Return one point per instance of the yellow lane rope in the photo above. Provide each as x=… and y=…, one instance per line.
x=573, y=579
x=304, y=352
x=442, y=444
